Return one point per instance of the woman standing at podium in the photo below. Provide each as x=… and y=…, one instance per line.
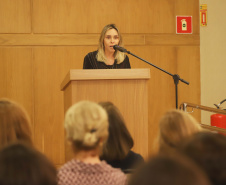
x=106, y=57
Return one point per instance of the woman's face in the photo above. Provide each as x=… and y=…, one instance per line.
x=111, y=38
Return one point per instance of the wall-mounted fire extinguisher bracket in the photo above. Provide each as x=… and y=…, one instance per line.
x=219, y=120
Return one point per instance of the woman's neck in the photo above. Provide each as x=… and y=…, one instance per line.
x=91, y=157
x=110, y=58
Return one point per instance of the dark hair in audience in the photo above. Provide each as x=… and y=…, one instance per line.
x=208, y=150
x=119, y=141
x=169, y=169
x=14, y=123
x=21, y=164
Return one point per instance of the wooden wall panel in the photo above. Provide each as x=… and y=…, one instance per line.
x=188, y=67
x=15, y=16
x=51, y=65
x=65, y=39
x=40, y=40
x=16, y=78
x=90, y=16
x=92, y=39
x=172, y=40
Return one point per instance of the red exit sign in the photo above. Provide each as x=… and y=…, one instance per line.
x=184, y=24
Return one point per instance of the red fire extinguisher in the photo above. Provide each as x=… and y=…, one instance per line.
x=219, y=120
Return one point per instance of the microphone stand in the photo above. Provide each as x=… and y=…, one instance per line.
x=176, y=77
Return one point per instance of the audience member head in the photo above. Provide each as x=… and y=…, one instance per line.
x=174, y=126
x=14, y=123
x=119, y=141
x=21, y=164
x=86, y=125
x=120, y=56
x=208, y=150
x=169, y=169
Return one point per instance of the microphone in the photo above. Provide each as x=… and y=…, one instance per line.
x=116, y=47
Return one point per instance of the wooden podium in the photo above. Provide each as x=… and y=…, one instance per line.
x=126, y=88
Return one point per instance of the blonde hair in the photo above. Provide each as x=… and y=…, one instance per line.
x=119, y=56
x=14, y=123
x=174, y=126
x=85, y=124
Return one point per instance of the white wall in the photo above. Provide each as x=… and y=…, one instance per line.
x=213, y=56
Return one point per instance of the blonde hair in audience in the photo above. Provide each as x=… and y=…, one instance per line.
x=119, y=56
x=174, y=126
x=14, y=123
x=86, y=125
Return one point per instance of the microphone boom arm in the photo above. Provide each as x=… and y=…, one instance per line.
x=176, y=77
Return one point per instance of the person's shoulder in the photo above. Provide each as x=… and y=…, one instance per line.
x=116, y=174
x=134, y=155
x=126, y=61
x=67, y=173
x=68, y=166
x=108, y=167
x=90, y=57
x=93, y=53
x=126, y=56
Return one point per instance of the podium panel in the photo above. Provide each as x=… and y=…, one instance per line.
x=126, y=88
